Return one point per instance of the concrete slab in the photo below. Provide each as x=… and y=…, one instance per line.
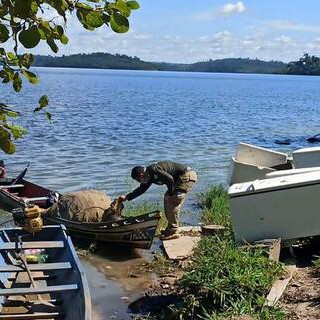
x=182, y=248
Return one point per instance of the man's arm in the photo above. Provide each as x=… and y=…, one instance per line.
x=138, y=191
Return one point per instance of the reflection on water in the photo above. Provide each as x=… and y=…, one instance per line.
x=115, y=279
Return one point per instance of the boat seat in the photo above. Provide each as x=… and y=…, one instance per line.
x=45, y=277
x=38, y=315
x=11, y=186
x=36, y=267
x=37, y=290
x=32, y=245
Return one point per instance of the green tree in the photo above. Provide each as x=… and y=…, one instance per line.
x=306, y=65
x=25, y=23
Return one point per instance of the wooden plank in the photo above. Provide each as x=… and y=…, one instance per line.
x=35, y=276
x=181, y=248
x=279, y=286
x=32, y=245
x=40, y=315
x=37, y=267
x=12, y=186
x=16, y=301
x=38, y=290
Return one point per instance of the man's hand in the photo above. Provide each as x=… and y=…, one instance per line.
x=122, y=198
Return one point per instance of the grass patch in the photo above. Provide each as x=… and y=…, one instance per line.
x=228, y=279
x=215, y=204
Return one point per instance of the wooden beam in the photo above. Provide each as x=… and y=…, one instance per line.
x=38, y=290
x=31, y=245
x=37, y=267
x=279, y=286
x=23, y=316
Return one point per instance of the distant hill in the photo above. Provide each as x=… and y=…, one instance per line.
x=100, y=60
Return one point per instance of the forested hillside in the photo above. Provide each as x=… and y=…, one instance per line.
x=306, y=65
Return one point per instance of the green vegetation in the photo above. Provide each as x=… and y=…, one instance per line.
x=27, y=23
x=101, y=60
x=228, y=280
x=215, y=204
x=306, y=65
x=239, y=65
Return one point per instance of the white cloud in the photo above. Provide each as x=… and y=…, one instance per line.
x=223, y=35
x=231, y=8
x=293, y=26
x=283, y=39
x=227, y=9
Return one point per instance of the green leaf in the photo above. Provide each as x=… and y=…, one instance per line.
x=12, y=59
x=3, y=10
x=84, y=6
x=122, y=7
x=119, y=23
x=30, y=37
x=17, y=131
x=133, y=5
x=52, y=45
x=94, y=19
x=61, y=6
x=17, y=82
x=60, y=30
x=64, y=39
x=26, y=60
x=22, y=8
x=30, y=76
x=4, y=33
x=7, y=146
x=5, y=142
x=12, y=114
x=49, y=116
x=80, y=16
x=43, y=101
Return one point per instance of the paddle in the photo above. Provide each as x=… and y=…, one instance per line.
x=20, y=176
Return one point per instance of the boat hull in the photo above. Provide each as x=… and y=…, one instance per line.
x=283, y=207
x=137, y=232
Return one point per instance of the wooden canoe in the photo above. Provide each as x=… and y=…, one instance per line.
x=54, y=289
x=136, y=232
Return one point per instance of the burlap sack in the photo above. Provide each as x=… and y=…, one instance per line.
x=81, y=206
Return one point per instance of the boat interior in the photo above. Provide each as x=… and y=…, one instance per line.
x=51, y=289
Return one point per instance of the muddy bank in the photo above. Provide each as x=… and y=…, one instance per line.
x=117, y=277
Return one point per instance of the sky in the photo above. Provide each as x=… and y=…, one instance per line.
x=187, y=31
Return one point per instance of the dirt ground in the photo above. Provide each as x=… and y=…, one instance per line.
x=301, y=299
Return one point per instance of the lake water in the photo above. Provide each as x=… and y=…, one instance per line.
x=107, y=121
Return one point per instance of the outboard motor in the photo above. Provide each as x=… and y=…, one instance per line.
x=29, y=218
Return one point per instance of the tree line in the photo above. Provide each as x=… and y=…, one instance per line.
x=306, y=65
